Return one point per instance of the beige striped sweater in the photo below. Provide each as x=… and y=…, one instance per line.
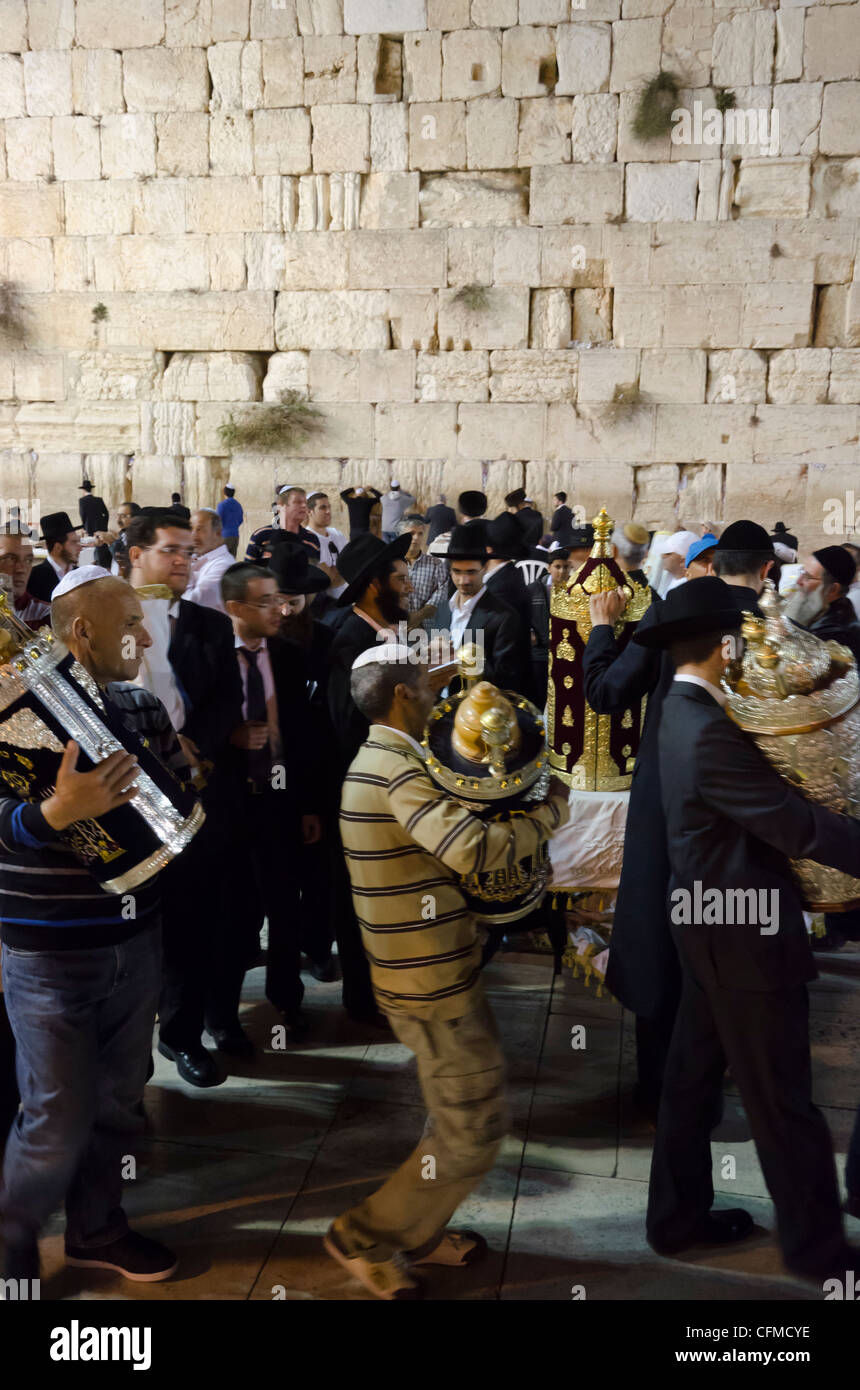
x=406, y=841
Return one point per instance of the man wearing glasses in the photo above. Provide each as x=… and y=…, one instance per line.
x=194, y=662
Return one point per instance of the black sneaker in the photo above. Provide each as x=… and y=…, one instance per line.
x=134, y=1256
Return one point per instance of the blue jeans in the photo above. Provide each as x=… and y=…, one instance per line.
x=83, y=1031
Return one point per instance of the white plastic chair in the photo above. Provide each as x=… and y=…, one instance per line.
x=531, y=569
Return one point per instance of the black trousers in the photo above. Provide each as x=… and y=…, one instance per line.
x=653, y=1039
x=318, y=897
x=193, y=906
x=764, y=1038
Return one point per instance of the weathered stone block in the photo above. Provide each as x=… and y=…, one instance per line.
x=743, y=48
x=501, y=431
x=29, y=153
x=282, y=73
x=341, y=138
x=487, y=14
x=345, y=318
x=529, y=64
x=282, y=141
x=193, y=322
x=707, y=316
x=285, y=371
x=30, y=210
x=603, y=373
x=471, y=64
x=225, y=72
x=39, y=376
x=386, y=375
x=831, y=319
x=167, y=427
x=383, y=260
x=550, y=319
x=92, y=428
x=98, y=207
x=117, y=376
x=13, y=26
x=504, y=323
x=798, y=375
x=449, y=14
x=656, y=494
x=567, y=193
x=844, y=377
x=712, y=433
x=662, y=192
x=572, y=256
x=96, y=81
x=595, y=433
x=76, y=147
x=71, y=270
x=491, y=133
x=227, y=262
x=675, y=376
x=465, y=200
x=50, y=23
x=422, y=66
x=412, y=317
x=162, y=79
x=384, y=16
x=636, y=52
x=231, y=143
x=778, y=315
x=159, y=208
x=545, y=131
x=333, y=375
x=594, y=128
x=813, y=432
x=183, y=143
x=516, y=259
x=296, y=261
x=832, y=43
x=30, y=264
x=470, y=255
x=101, y=24
x=426, y=430
x=389, y=141
x=584, y=55
x=12, y=101
x=535, y=375
x=836, y=188
x=48, y=83
x=592, y=317
x=320, y=16
x=128, y=146
x=437, y=135
x=212, y=376
x=840, y=118
x=773, y=188
x=223, y=205
x=452, y=376
x=798, y=105
x=390, y=200
x=329, y=69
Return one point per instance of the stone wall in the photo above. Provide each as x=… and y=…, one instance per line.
x=206, y=202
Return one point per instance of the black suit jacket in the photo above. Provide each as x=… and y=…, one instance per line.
x=43, y=581
x=562, y=519
x=507, y=584
x=838, y=623
x=289, y=674
x=531, y=522
x=733, y=823
x=202, y=653
x=94, y=514
x=502, y=641
x=352, y=637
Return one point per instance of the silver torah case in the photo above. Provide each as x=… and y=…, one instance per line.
x=799, y=698
x=41, y=707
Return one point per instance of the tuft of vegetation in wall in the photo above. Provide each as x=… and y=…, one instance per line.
x=657, y=100
x=13, y=315
x=474, y=297
x=277, y=425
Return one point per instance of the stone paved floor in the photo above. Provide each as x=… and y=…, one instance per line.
x=244, y=1179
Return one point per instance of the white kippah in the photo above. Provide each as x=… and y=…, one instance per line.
x=384, y=651
x=73, y=579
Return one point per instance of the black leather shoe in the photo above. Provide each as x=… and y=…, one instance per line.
x=134, y=1256
x=196, y=1066
x=233, y=1041
x=327, y=973
x=297, y=1027
x=717, y=1228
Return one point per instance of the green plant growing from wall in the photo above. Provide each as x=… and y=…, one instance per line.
x=724, y=100
x=101, y=313
x=473, y=297
x=281, y=424
x=657, y=100
x=13, y=314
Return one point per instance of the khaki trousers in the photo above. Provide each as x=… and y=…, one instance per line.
x=461, y=1069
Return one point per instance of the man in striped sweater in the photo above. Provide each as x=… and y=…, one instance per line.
x=406, y=843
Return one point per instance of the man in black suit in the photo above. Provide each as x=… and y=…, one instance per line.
x=527, y=517
x=206, y=708
x=440, y=518
x=63, y=543
x=94, y=518
x=267, y=775
x=506, y=543
x=177, y=506
x=733, y=825
x=562, y=517
x=476, y=613
x=643, y=963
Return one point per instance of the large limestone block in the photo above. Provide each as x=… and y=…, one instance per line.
x=341, y=138
x=528, y=61
x=798, y=105
x=501, y=431
x=773, y=188
x=7, y=376
x=285, y=371
x=390, y=200
x=656, y=493
x=778, y=315
x=486, y=14
x=412, y=315
x=743, y=48
x=128, y=146
x=102, y=207
x=425, y=430
x=30, y=210
x=853, y=314
x=453, y=14
x=516, y=256
x=788, y=64
x=231, y=143
x=662, y=192
x=384, y=16
x=504, y=323
x=840, y=118
x=471, y=251
x=636, y=53
x=473, y=200
x=845, y=377
x=673, y=376
x=832, y=43
x=30, y=263
x=97, y=81
x=13, y=26
x=93, y=427
x=701, y=254
x=708, y=433
x=333, y=375
x=160, y=207
x=831, y=317
x=382, y=260
x=160, y=79
x=223, y=205
x=798, y=376
x=76, y=147
x=12, y=102
x=550, y=323
x=39, y=377
x=630, y=148
x=297, y=261
x=545, y=131
x=573, y=193
x=533, y=376
x=626, y=251
x=48, y=83
x=282, y=73
x=167, y=427
x=389, y=140
x=437, y=135
x=183, y=143
x=212, y=376
x=379, y=76
x=151, y=263
x=188, y=23
x=116, y=376
x=636, y=315
x=700, y=494
x=386, y=375
x=270, y=21
x=452, y=376
x=737, y=375
x=103, y=24
x=836, y=188
x=422, y=67
x=282, y=141
x=592, y=316
x=708, y=316
x=597, y=432
x=688, y=33
x=805, y=432
x=471, y=64
x=192, y=322
x=329, y=69
x=344, y=318
x=584, y=55
x=225, y=73
x=492, y=133
x=572, y=256
x=29, y=152
x=594, y=128
x=604, y=373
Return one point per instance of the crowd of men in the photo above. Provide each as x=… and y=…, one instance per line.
x=266, y=684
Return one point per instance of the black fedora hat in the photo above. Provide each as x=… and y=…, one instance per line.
x=56, y=525
x=468, y=542
x=745, y=535
x=362, y=557
x=505, y=534
x=692, y=609
x=472, y=504
x=291, y=566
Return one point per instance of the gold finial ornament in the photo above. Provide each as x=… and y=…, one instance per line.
x=485, y=719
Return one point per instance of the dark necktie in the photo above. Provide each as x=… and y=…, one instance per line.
x=259, y=759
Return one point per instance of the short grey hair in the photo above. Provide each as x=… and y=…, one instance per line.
x=213, y=517
x=628, y=550
x=408, y=521
x=372, y=686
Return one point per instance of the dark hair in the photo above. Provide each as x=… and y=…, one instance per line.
x=228, y=487
x=372, y=686
x=143, y=526
x=695, y=650
x=382, y=573
x=735, y=563
x=235, y=580
x=562, y=496
x=176, y=496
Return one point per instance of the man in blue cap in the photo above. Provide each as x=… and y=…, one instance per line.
x=700, y=557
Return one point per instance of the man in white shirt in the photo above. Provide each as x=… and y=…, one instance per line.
x=332, y=541
x=211, y=559
x=674, y=559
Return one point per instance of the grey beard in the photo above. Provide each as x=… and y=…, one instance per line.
x=804, y=606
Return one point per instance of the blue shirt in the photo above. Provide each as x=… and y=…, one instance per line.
x=232, y=516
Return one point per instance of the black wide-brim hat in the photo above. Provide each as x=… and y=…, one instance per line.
x=472, y=504
x=56, y=525
x=291, y=566
x=506, y=535
x=468, y=542
x=692, y=609
x=577, y=537
x=361, y=558
x=745, y=535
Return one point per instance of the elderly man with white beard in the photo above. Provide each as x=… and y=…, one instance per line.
x=821, y=604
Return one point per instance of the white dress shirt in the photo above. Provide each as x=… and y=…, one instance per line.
x=205, y=583
x=719, y=695
x=332, y=543
x=460, y=614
